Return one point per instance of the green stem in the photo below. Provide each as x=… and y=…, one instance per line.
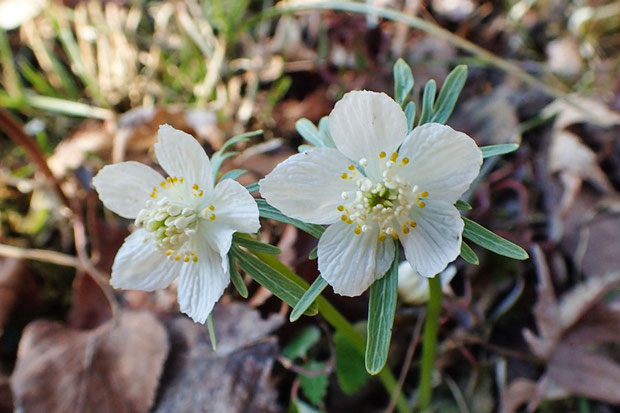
x=429, y=343
x=337, y=320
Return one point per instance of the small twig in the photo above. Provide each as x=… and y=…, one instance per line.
x=413, y=344
x=51, y=257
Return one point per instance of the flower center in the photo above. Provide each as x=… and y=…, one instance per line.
x=171, y=217
x=385, y=204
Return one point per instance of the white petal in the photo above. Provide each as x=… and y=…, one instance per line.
x=235, y=210
x=348, y=262
x=436, y=240
x=442, y=161
x=201, y=284
x=363, y=124
x=139, y=265
x=125, y=187
x=308, y=186
x=182, y=156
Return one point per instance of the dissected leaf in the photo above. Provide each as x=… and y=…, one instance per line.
x=302, y=342
x=314, y=386
x=350, y=368
x=113, y=368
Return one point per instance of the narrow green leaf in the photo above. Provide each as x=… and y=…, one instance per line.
x=236, y=278
x=308, y=298
x=449, y=94
x=428, y=100
x=250, y=243
x=252, y=187
x=218, y=158
x=410, y=114
x=493, y=242
x=468, y=254
x=36, y=79
x=211, y=330
x=403, y=81
x=462, y=205
x=314, y=386
x=495, y=150
x=350, y=370
x=381, y=308
x=308, y=131
x=67, y=107
x=267, y=211
x=282, y=287
x=313, y=254
x=233, y=174
x=300, y=344
x=240, y=138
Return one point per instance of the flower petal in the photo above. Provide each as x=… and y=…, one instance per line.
x=349, y=262
x=442, y=161
x=201, y=284
x=139, y=265
x=125, y=187
x=182, y=156
x=363, y=124
x=308, y=186
x=436, y=240
x=234, y=210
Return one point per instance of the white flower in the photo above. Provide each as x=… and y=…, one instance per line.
x=413, y=288
x=185, y=224
x=380, y=183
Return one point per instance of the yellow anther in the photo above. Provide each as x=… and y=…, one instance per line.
x=169, y=180
x=340, y=208
x=181, y=179
x=200, y=193
x=424, y=194
x=186, y=258
x=194, y=258
x=394, y=157
x=405, y=161
x=349, y=221
x=351, y=168
x=394, y=235
x=382, y=155
x=169, y=253
x=195, y=187
x=357, y=230
x=405, y=229
x=421, y=204
x=177, y=257
x=212, y=217
x=413, y=224
x=163, y=184
x=153, y=194
x=211, y=207
x=382, y=236
x=344, y=175
x=154, y=189
x=175, y=179
x=344, y=218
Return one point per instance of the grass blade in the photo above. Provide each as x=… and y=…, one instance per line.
x=491, y=241
x=308, y=298
x=496, y=150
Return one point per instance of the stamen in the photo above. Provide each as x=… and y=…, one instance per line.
x=344, y=175
x=211, y=207
x=344, y=218
x=394, y=157
x=382, y=236
x=357, y=230
x=421, y=204
x=351, y=168
x=405, y=161
x=212, y=217
x=424, y=194
x=405, y=229
x=382, y=155
x=340, y=208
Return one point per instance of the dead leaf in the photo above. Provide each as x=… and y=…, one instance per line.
x=563, y=57
x=114, y=368
x=579, y=109
x=10, y=273
x=90, y=306
x=236, y=378
x=6, y=396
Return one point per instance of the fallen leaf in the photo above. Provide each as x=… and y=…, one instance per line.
x=113, y=368
x=10, y=275
x=563, y=57
x=90, y=307
x=6, y=396
x=579, y=109
x=235, y=378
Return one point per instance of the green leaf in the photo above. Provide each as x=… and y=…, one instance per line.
x=218, y=157
x=495, y=150
x=350, y=369
x=450, y=91
x=308, y=298
x=410, y=114
x=267, y=211
x=300, y=344
x=314, y=253
x=468, y=254
x=233, y=174
x=314, y=386
x=403, y=81
x=237, y=279
x=282, y=287
x=428, y=99
x=303, y=407
x=211, y=330
x=381, y=308
x=252, y=187
x=308, y=131
x=254, y=245
x=493, y=242
x=462, y=205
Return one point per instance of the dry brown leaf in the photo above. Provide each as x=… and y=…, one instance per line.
x=578, y=109
x=10, y=275
x=90, y=306
x=236, y=378
x=114, y=368
x=6, y=396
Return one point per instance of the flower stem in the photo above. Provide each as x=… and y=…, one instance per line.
x=429, y=343
x=341, y=324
